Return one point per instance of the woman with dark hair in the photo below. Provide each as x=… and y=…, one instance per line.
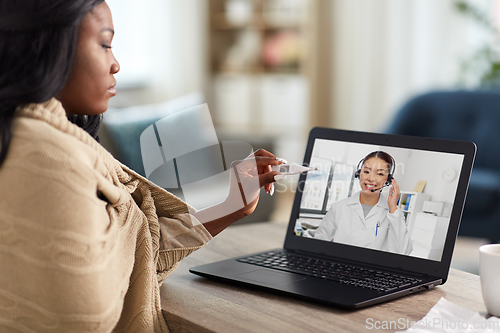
x=368, y=219
x=84, y=241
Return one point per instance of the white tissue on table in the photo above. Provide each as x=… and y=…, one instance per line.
x=448, y=317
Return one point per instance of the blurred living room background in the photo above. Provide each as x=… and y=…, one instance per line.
x=270, y=70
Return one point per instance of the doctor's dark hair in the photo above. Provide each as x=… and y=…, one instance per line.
x=38, y=40
x=383, y=156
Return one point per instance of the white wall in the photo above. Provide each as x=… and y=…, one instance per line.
x=429, y=166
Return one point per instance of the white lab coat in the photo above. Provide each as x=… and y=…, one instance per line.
x=345, y=223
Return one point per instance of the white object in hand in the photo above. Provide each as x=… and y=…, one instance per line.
x=291, y=169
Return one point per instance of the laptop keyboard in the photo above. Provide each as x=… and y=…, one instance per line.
x=329, y=270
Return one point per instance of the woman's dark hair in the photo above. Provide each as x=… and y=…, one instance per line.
x=38, y=40
x=383, y=156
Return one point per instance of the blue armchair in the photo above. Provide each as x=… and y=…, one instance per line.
x=467, y=116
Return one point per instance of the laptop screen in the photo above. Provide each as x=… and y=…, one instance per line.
x=380, y=197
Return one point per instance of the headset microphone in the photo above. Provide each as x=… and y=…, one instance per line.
x=376, y=189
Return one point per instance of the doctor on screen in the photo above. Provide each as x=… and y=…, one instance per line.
x=368, y=218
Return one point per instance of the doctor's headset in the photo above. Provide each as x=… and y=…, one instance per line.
x=390, y=177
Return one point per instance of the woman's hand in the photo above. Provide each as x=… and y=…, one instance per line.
x=394, y=195
x=247, y=177
x=250, y=174
x=264, y=161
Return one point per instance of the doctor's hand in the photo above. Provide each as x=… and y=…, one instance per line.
x=394, y=194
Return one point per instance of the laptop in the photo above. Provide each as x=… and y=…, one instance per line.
x=352, y=261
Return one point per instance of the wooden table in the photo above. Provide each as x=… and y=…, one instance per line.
x=195, y=304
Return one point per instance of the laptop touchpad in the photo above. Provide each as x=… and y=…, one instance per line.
x=270, y=278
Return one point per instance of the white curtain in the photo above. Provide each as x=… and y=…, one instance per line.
x=386, y=51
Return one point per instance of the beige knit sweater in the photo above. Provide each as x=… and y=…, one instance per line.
x=84, y=241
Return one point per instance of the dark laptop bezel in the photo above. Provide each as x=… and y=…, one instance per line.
x=433, y=268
